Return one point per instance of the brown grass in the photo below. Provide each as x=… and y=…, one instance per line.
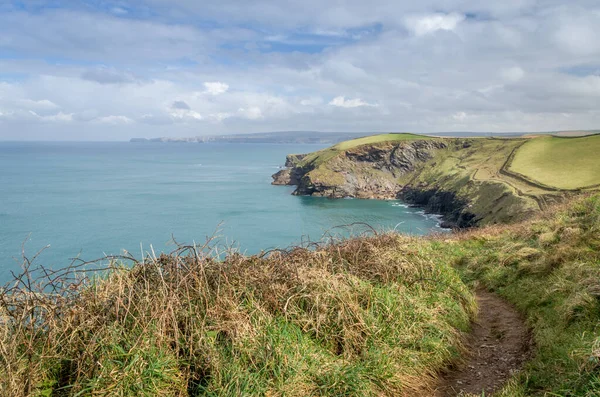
x=361, y=317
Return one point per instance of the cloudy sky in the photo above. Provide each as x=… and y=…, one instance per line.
x=112, y=70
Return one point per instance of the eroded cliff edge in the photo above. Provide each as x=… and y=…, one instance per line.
x=458, y=178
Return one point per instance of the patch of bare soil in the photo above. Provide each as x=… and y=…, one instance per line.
x=497, y=346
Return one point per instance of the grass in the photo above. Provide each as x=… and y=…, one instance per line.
x=549, y=268
x=354, y=318
x=497, y=180
x=322, y=156
x=564, y=163
x=369, y=316
x=369, y=140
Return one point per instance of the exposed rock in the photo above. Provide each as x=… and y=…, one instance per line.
x=455, y=209
x=291, y=175
x=369, y=171
x=428, y=173
x=281, y=177
x=293, y=160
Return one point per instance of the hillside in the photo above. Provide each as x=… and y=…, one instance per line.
x=472, y=181
x=381, y=315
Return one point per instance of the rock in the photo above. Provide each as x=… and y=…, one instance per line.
x=281, y=177
x=368, y=171
x=424, y=172
x=293, y=160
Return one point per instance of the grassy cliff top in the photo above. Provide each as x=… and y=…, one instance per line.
x=321, y=156
x=529, y=167
x=560, y=162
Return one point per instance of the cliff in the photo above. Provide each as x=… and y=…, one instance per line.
x=290, y=175
x=464, y=179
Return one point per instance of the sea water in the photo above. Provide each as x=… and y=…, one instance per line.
x=96, y=199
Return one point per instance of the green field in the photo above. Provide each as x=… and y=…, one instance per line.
x=367, y=140
x=564, y=163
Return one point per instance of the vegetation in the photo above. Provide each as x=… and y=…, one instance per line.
x=362, y=317
x=321, y=156
x=563, y=163
x=475, y=181
x=549, y=268
x=375, y=315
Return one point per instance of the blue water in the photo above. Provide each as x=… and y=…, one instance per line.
x=92, y=199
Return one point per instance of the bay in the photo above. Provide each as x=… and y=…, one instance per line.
x=96, y=199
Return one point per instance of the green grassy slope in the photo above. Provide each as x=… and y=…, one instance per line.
x=470, y=169
x=474, y=175
x=354, y=319
x=564, y=163
x=321, y=156
x=376, y=316
x=498, y=180
x=549, y=269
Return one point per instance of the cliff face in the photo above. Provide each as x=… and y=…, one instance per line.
x=440, y=175
x=370, y=171
x=290, y=175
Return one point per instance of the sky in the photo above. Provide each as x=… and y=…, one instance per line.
x=113, y=70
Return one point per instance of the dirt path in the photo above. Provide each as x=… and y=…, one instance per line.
x=498, y=346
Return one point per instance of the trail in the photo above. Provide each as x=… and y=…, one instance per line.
x=497, y=347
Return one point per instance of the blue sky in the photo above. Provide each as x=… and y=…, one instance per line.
x=111, y=70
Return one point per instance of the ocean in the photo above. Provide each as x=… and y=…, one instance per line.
x=96, y=199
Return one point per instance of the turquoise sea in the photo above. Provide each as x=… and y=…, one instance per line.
x=92, y=199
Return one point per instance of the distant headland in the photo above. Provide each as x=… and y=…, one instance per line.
x=331, y=138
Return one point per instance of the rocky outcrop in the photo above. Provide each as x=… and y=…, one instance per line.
x=370, y=171
x=293, y=160
x=436, y=174
x=291, y=175
x=282, y=177
x=454, y=208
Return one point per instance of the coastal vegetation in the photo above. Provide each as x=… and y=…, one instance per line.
x=361, y=317
x=472, y=181
x=380, y=314
x=374, y=315
x=322, y=156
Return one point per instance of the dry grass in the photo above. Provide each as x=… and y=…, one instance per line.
x=365, y=316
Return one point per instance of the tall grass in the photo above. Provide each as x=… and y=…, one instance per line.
x=368, y=316
x=550, y=269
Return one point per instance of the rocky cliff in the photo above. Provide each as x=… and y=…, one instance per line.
x=441, y=175
x=369, y=171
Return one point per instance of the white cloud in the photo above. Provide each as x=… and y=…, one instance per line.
x=185, y=115
x=460, y=116
x=341, y=101
x=216, y=87
x=218, y=117
x=105, y=75
x=579, y=35
x=422, y=25
x=512, y=75
x=509, y=66
x=314, y=101
x=43, y=104
x=114, y=120
x=58, y=117
x=252, y=113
